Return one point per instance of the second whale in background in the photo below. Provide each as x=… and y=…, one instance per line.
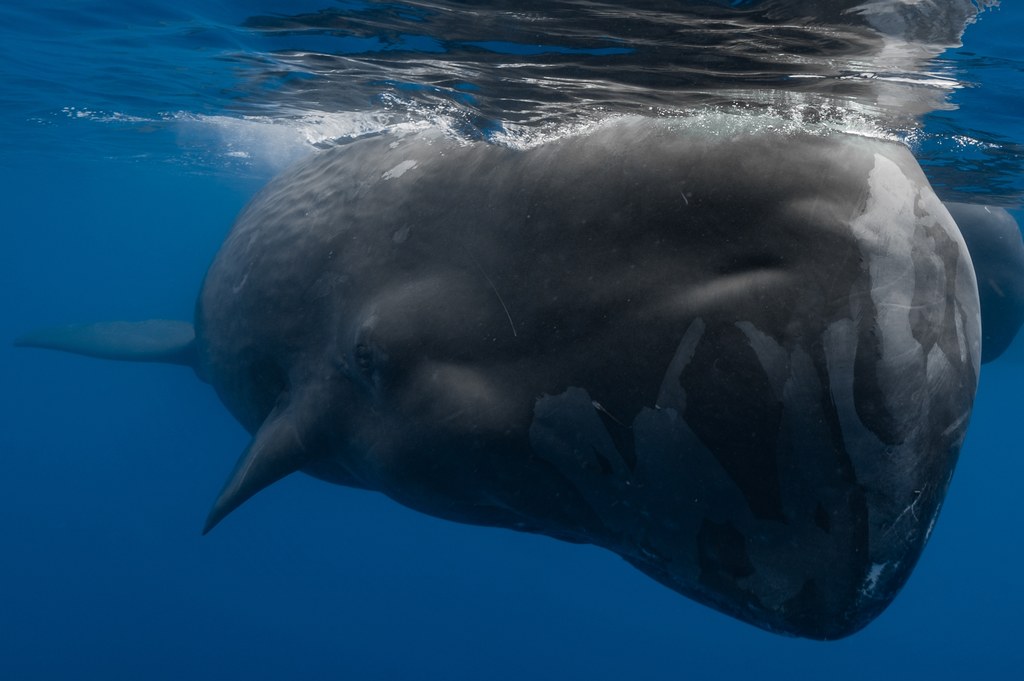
x=994, y=240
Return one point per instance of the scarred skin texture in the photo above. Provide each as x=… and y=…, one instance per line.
x=743, y=360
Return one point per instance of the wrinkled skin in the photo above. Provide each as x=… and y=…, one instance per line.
x=742, y=359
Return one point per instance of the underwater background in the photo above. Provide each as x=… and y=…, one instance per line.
x=133, y=133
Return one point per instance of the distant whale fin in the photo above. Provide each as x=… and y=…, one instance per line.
x=288, y=439
x=152, y=340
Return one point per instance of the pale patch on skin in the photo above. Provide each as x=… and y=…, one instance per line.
x=671, y=394
x=840, y=343
x=460, y=394
x=723, y=291
x=861, y=443
x=240, y=285
x=938, y=366
x=874, y=574
x=969, y=329
x=960, y=334
x=399, y=170
x=885, y=232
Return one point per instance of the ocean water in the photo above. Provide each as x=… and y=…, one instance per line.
x=134, y=132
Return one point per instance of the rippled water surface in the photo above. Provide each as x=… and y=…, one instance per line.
x=255, y=79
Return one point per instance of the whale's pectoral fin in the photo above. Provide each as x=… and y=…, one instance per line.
x=152, y=340
x=289, y=438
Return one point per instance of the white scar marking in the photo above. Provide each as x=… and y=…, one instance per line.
x=956, y=424
x=959, y=318
x=871, y=583
x=931, y=526
x=911, y=509
x=600, y=407
x=500, y=300
x=399, y=170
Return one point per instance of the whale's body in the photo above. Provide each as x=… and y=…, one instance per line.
x=743, y=360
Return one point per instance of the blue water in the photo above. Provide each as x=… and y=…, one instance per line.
x=132, y=135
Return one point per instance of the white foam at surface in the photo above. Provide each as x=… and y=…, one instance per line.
x=274, y=142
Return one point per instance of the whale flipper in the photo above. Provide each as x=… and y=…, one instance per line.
x=153, y=340
x=290, y=437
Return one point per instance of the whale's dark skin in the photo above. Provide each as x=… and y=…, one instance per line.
x=743, y=360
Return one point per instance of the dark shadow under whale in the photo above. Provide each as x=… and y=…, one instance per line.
x=744, y=359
